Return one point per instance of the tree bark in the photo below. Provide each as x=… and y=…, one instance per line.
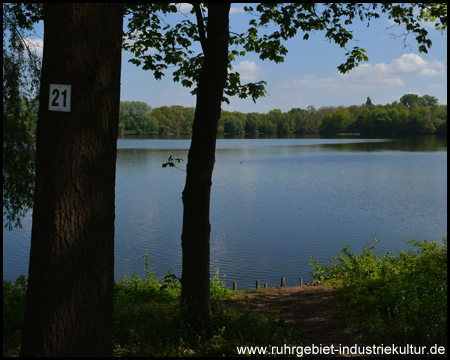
x=201, y=158
x=69, y=303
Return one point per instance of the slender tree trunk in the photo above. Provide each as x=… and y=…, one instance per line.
x=201, y=159
x=69, y=305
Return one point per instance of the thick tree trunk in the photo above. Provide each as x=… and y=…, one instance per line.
x=201, y=159
x=69, y=307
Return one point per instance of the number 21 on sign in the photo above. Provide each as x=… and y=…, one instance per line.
x=60, y=97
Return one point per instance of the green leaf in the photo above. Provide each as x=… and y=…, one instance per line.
x=136, y=62
x=173, y=43
x=423, y=48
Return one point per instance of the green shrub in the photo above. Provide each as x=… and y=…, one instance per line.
x=400, y=298
x=13, y=311
x=148, y=320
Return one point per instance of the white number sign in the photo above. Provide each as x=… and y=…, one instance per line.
x=60, y=96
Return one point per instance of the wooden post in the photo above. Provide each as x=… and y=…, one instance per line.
x=283, y=282
x=257, y=284
x=265, y=286
x=301, y=282
x=235, y=285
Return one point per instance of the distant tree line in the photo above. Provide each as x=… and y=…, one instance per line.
x=413, y=115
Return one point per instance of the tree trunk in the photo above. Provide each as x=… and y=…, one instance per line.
x=201, y=159
x=69, y=304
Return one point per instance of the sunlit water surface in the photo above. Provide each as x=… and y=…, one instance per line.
x=274, y=204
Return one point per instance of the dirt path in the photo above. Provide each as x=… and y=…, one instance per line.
x=309, y=308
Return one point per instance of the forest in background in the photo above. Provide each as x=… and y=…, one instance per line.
x=412, y=115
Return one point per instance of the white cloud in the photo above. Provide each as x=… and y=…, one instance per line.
x=415, y=65
x=313, y=81
x=184, y=8
x=370, y=76
x=249, y=71
x=35, y=45
x=377, y=76
x=237, y=10
x=134, y=36
x=393, y=74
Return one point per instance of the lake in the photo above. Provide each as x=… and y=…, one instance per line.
x=274, y=203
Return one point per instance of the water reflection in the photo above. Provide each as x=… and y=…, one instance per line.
x=274, y=203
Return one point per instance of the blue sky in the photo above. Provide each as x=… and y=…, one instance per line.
x=309, y=74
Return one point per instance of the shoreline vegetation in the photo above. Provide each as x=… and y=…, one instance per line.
x=382, y=297
x=412, y=115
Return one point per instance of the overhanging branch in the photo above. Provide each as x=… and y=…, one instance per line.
x=201, y=27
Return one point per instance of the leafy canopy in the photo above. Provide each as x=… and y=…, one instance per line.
x=21, y=74
x=172, y=45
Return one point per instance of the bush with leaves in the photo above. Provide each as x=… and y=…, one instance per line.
x=400, y=299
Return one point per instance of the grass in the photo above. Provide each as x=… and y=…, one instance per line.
x=397, y=298
x=148, y=320
x=13, y=313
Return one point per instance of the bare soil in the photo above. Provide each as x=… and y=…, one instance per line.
x=309, y=309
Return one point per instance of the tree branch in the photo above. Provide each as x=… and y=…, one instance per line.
x=201, y=27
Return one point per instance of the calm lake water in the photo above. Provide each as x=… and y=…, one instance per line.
x=274, y=204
